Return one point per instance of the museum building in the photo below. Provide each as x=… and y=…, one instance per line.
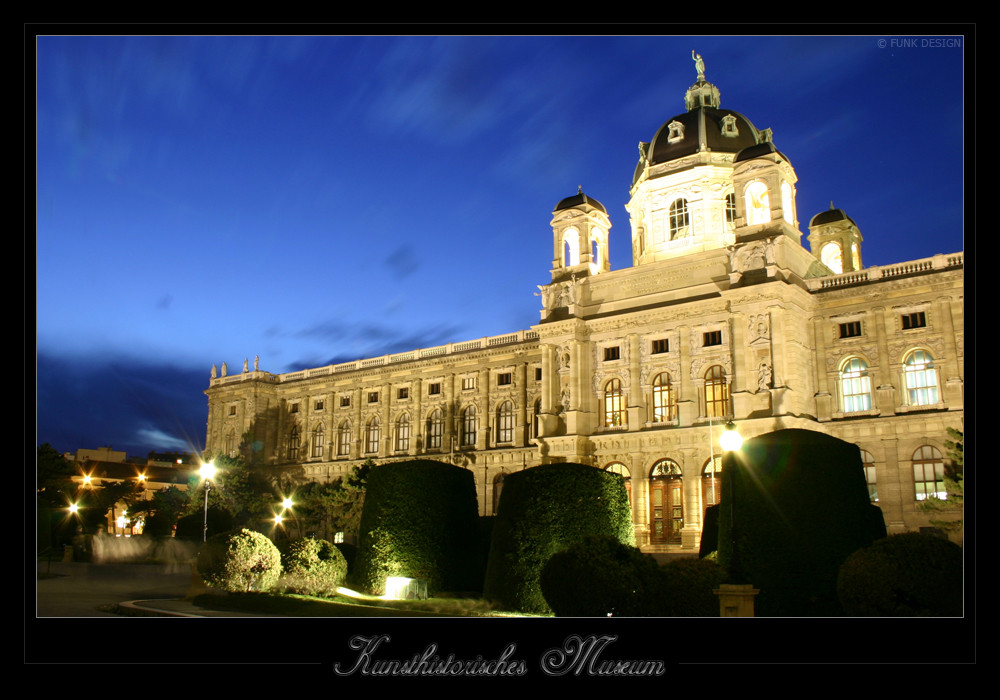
x=724, y=314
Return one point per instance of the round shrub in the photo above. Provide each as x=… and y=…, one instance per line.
x=601, y=577
x=239, y=561
x=689, y=587
x=311, y=567
x=908, y=575
x=420, y=520
x=542, y=511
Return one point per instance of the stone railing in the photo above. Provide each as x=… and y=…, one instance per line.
x=409, y=356
x=875, y=273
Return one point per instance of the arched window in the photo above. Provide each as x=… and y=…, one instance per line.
x=758, y=203
x=711, y=483
x=505, y=422
x=469, y=426
x=318, y=441
x=731, y=210
x=716, y=392
x=664, y=401
x=855, y=385
x=293, y=444
x=666, y=503
x=435, y=429
x=868, y=462
x=928, y=473
x=786, y=202
x=571, y=247
x=920, y=379
x=344, y=439
x=680, y=223
x=231, y=444
x=614, y=404
x=595, y=251
x=622, y=470
x=403, y=433
x=373, y=434
x=833, y=257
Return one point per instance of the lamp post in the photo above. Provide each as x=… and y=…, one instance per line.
x=207, y=472
x=731, y=441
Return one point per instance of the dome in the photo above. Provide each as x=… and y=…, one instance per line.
x=757, y=151
x=830, y=216
x=577, y=200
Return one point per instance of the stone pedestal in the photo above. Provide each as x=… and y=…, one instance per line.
x=736, y=599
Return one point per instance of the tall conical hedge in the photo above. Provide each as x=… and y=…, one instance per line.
x=420, y=520
x=544, y=510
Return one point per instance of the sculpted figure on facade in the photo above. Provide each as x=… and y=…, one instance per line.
x=225, y=369
x=758, y=327
x=213, y=371
x=763, y=377
x=245, y=370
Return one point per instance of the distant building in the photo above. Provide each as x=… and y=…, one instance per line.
x=723, y=314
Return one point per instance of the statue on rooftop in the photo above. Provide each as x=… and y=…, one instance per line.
x=699, y=64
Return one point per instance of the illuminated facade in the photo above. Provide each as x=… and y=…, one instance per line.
x=723, y=314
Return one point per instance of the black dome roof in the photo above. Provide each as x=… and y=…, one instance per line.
x=702, y=131
x=829, y=216
x=578, y=199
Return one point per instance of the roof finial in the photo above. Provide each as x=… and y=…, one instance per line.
x=831, y=205
x=699, y=64
x=579, y=189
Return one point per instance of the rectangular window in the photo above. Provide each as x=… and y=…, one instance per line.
x=403, y=393
x=917, y=320
x=850, y=330
x=434, y=389
x=504, y=378
x=372, y=397
x=345, y=401
x=660, y=346
x=232, y=410
x=319, y=406
x=612, y=353
x=713, y=338
x=468, y=383
x=294, y=408
x=538, y=374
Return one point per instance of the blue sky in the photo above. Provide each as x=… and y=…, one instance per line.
x=319, y=199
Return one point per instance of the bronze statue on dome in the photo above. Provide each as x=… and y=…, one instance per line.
x=699, y=64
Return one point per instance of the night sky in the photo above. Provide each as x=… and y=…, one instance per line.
x=320, y=199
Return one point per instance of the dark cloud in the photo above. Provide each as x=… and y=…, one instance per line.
x=133, y=405
x=374, y=341
x=402, y=261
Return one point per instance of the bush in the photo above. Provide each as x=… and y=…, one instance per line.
x=689, y=587
x=239, y=561
x=311, y=567
x=601, y=577
x=908, y=575
x=420, y=520
x=542, y=511
x=192, y=527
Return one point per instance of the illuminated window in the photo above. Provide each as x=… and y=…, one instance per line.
x=318, y=440
x=869, y=465
x=571, y=247
x=403, y=433
x=920, y=379
x=855, y=385
x=293, y=444
x=711, y=483
x=664, y=403
x=928, y=473
x=435, y=429
x=614, y=404
x=469, y=426
x=505, y=422
x=758, y=204
x=344, y=439
x=468, y=383
x=716, y=392
x=680, y=224
x=372, y=397
x=373, y=434
x=729, y=126
x=666, y=503
x=731, y=209
x=786, y=202
x=833, y=257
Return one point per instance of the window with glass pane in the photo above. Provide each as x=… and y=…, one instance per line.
x=293, y=444
x=855, y=385
x=920, y=378
x=614, y=404
x=403, y=433
x=869, y=465
x=435, y=429
x=372, y=436
x=469, y=426
x=928, y=473
x=344, y=438
x=680, y=225
x=716, y=392
x=663, y=399
x=318, y=440
x=505, y=422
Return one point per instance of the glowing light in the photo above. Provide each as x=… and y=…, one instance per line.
x=73, y=508
x=287, y=503
x=278, y=519
x=142, y=477
x=207, y=471
x=731, y=440
x=86, y=479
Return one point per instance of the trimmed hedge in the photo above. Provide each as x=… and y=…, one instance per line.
x=544, y=510
x=689, y=587
x=239, y=561
x=601, y=577
x=801, y=508
x=907, y=575
x=420, y=520
x=311, y=567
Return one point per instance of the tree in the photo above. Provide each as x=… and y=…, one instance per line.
x=953, y=484
x=54, y=474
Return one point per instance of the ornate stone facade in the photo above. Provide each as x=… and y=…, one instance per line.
x=723, y=315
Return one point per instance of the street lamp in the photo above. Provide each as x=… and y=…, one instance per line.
x=731, y=441
x=207, y=472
